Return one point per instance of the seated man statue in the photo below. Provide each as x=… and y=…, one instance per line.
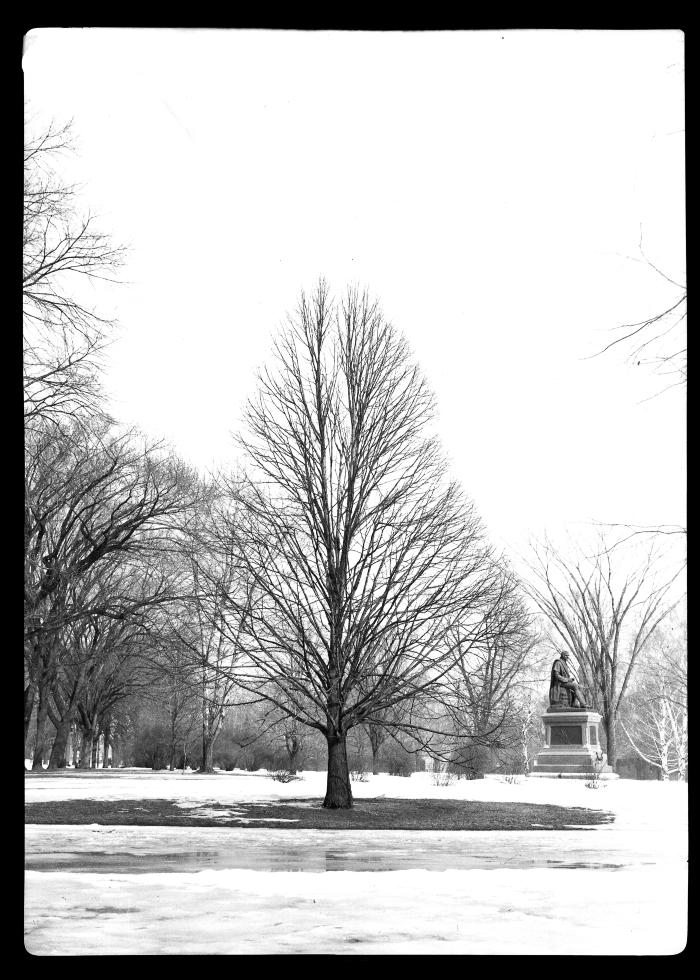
x=564, y=688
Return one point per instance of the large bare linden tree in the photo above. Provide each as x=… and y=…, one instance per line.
x=356, y=554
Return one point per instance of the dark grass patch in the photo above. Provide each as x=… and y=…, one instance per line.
x=367, y=814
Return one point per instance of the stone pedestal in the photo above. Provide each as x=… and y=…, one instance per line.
x=572, y=746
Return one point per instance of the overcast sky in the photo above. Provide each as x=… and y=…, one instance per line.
x=490, y=189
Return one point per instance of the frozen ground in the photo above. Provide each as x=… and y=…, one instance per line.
x=610, y=889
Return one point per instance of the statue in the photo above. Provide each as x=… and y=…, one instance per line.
x=564, y=687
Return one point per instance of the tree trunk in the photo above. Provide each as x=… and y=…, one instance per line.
x=208, y=753
x=376, y=738
x=611, y=738
x=106, y=737
x=57, y=759
x=42, y=716
x=86, y=749
x=524, y=747
x=293, y=746
x=76, y=749
x=338, y=791
x=29, y=695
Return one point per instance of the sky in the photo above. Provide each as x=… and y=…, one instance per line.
x=491, y=189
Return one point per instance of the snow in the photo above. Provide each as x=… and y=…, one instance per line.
x=241, y=890
x=633, y=801
x=517, y=912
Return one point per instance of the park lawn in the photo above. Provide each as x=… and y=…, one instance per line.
x=305, y=814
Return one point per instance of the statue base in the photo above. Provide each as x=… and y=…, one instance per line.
x=572, y=746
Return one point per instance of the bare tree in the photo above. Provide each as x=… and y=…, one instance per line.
x=101, y=661
x=122, y=671
x=492, y=664
x=205, y=652
x=379, y=728
x=355, y=553
x=656, y=717
x=180, y=695
x=62, y=250
x=99, y=509
x=604, y=617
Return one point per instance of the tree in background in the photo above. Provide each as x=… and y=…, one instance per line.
x=655, y=719
x=104, y=661
x=99, y=517
x=494, y=657
x=205, y=652
x=62, y=252
x=604, y=615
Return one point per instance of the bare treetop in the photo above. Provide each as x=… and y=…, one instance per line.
x=62, y=249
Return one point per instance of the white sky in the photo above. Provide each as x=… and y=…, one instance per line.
x=488, y=188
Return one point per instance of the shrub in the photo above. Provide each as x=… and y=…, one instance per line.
x=283, y=775
x=150, y=747
x=442, y=777
x=400, y=767
x=359, y=775
x=471, y=762
x=225, y=760
x=255, y=757
x=594, y=777
x=397, y=760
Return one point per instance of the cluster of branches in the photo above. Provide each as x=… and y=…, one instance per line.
x=62, y=252
x=658, y=341
x=202, y=654
x=357, y=568
x=101, y=509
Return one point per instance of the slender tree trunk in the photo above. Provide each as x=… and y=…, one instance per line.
x=86, y=749
x=95, y=752
x=76, y=747
x=611, y=737
x=29, y=697
x=106, y=737
x=42, y=716
x=210, y=731
x=376, y=738
x=338, y=791
x=207, y=755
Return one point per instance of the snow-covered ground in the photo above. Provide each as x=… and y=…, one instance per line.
x=621, y=890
